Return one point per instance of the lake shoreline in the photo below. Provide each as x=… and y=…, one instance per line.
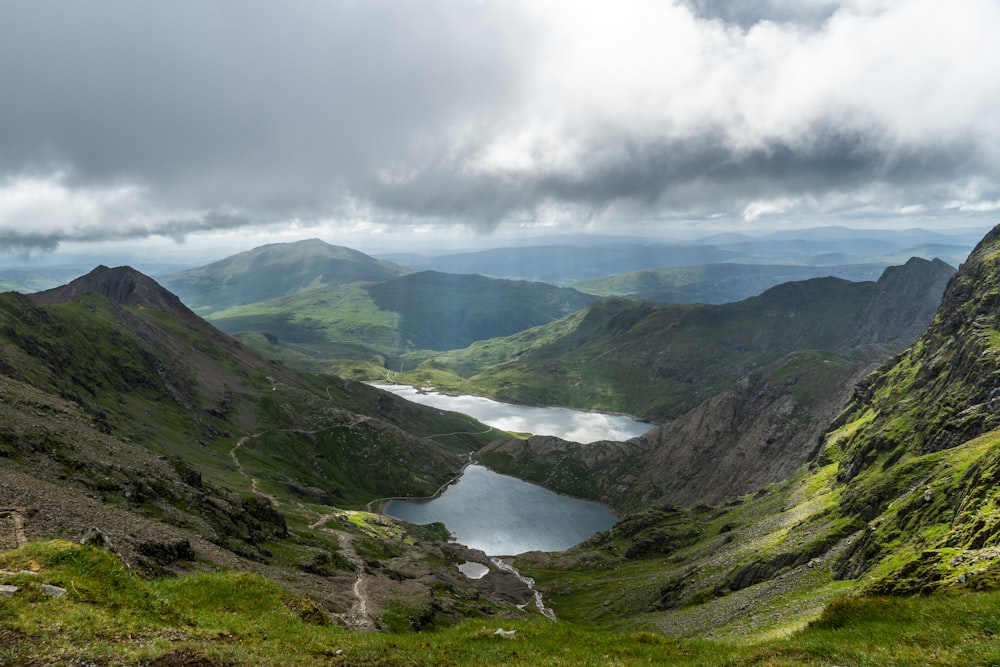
x=478, y=517
x=570, y=424
x=437, y=494
x=383, y=385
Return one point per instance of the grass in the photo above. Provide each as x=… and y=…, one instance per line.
x=110, y=617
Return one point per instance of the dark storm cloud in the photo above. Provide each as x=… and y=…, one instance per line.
x=125, y=119
x=698, y=175
x=256, y=104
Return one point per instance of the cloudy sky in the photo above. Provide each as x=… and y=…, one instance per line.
x=222, y=121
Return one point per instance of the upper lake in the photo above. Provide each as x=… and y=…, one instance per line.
x=572, y=425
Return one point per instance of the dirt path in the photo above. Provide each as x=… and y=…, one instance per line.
x=254, y=487
x=357, y=617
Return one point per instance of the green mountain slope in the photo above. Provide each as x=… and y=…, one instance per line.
x=659, y=361
x=122, y=409
x=899, y=498
x=426, y=310
x=273, y=271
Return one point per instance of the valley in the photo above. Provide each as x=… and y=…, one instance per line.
x=815, y=447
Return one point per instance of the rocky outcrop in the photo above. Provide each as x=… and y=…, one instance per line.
x=903, y=304
x=121, y=285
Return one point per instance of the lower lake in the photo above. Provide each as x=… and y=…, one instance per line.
x=504, y=516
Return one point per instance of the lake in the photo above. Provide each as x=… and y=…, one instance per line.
x=573, y=425
x=504, y=516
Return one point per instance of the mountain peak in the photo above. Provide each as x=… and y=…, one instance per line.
x=122, y=285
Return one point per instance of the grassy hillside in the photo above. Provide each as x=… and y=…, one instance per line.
x=108, y=617
x=273, y=271
x=420, y=311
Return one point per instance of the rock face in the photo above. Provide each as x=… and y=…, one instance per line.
x=744, y=439
x=903, y=304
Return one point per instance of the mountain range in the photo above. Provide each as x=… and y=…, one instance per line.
x=124, y=409
x=658, y=361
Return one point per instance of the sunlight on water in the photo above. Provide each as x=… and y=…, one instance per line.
x=573, y=425
x=503, y=515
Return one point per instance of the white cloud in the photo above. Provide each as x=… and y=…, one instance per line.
x=171, y=118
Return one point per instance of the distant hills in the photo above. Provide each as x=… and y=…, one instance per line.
x=418, y=311
x=327, y=308
x=569, y=259
x=274, y=271
x=327, y=301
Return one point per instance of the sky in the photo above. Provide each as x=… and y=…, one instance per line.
x=209, y=126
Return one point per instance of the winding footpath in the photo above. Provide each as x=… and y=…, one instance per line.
x=357, y=617
x=254, y=486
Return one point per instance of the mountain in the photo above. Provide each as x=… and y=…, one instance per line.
x=425, y=310
x=123, y=286
x=755, y=433
x=565, y=263
x=123, y=410
x=275, y=270
x=658, y=361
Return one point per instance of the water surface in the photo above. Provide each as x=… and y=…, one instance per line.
x=503, y=515
x=573, y=425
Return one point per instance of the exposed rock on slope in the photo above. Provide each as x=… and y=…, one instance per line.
x=903, y=304
x=122, y=285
